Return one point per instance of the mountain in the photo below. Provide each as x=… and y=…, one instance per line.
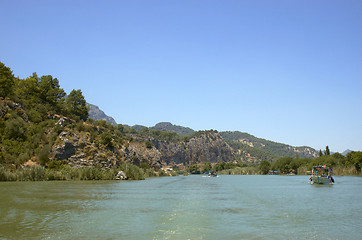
x=138, y=127
x=246, y=147
x=97, y=114
x=346, y=151
x=249, y=148
x=169, y=127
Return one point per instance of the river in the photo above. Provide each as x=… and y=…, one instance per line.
x=183, y=207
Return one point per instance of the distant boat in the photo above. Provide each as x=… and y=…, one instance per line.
x=321, y=175
x=212, y=174
x=271, y=172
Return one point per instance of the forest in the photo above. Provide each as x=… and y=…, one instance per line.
x=33, y=114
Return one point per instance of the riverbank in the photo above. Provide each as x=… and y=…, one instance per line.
x=40, y=173
x=337, y=171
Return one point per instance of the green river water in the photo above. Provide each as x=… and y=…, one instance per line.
x=183, y=207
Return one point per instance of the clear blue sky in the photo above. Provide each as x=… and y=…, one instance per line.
x=287, y=71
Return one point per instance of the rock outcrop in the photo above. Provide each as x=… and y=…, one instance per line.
x=97, y=114
x=78, y=149
x=206, y=147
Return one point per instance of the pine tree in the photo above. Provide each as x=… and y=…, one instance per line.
x=77, y=105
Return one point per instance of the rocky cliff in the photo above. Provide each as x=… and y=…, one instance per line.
x=79, y=149
x=206, y=146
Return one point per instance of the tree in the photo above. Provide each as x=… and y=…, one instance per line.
x=354, y=158
x=50, y=91
x=194, y=168
x=327, y=152
x=106, y=139
x=219, y=166
x=320, y=153
x=282, y=164
x=207, y=167
x=77, y=105
x=44, y=91
x=15, y=129
x=28, y=91
x=7, y=81
x=264, y=166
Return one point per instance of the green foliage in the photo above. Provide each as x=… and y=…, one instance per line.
x=167, y=136
x=355, y=159
x=219, y=166
x=7, y=81
x=264, y=166
x=132, y=171
x=50, y=91
x=43, y=156
x=327, y=152
x=57, y=164
x=301, y=166
x=245, y=170
x=320, y=153
x=77, y=105
x=193, y=168
x=168, y=127
x=15, y=128
x=106, y=139
x=30, y=108
x=282, y=165
x=253, y=149
x=207, y=167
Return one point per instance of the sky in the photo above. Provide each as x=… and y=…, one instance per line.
x=282, y=70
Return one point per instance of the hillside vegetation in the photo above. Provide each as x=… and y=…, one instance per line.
x=252, y=149
x=46, y=134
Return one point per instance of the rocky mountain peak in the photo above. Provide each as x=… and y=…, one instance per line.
x=97, y=114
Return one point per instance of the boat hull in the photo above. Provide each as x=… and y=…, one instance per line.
x=320, y=180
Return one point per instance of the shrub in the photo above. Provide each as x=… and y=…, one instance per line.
x=32, y=173
x=132, y=171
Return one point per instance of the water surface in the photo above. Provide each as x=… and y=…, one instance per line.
x=184, y=207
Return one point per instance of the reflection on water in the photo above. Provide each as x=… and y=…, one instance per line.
x=184, y=207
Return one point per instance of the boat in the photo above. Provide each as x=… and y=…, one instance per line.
x=212, y=174
x=321, y=175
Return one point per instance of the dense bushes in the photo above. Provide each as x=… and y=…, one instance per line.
x=40, y=173
x=349, y=165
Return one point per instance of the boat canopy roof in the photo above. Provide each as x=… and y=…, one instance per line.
x=322, y=167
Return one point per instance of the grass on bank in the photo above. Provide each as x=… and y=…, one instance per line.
x=40, y=173
x=252, y=170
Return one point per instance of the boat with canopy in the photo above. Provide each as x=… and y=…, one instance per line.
x=321, y=175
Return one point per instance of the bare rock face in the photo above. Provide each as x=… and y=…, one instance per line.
x=64, y=151
x=97, y=114
x=80, y=151
x=137, y=153
x=121, y=176
x=206, y=147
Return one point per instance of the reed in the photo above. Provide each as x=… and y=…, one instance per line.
x=6, y=175
x=240, y=171
x=132, y=171
x=340, y=170
x=31, y=173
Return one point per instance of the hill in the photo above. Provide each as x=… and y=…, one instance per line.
x=169, y=127
x=41, y=124
x=249, y=148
